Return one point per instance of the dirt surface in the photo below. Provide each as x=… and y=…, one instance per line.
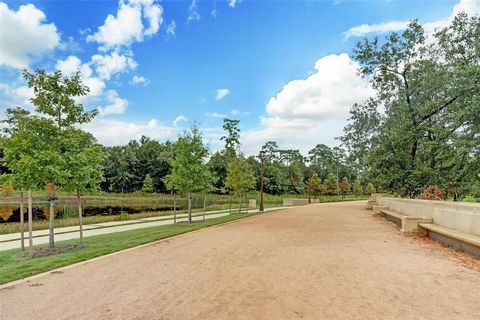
x=322, y=261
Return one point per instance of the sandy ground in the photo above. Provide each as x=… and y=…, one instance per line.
x=323, y=261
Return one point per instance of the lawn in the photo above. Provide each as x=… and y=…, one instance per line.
x=15, y=264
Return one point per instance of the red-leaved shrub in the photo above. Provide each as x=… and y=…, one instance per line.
x=432, y=193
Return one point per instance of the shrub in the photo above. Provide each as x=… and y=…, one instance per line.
x=6, y=190
x=432, y=193
x=357, y=187
x=124, y=216
x=370, y=188
x=469, y=199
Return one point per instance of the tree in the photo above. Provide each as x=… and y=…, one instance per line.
x=429, y=92
x=189, y=172
x=240, y=178
x=147, y=184
x=232, y=139
x=357, y=187
x=55, y=100
x=344, y=186
x=26, y=153
x=295, y=176
x=314, y=186
x=370, y=188
x=331, y=185
x=84, y=157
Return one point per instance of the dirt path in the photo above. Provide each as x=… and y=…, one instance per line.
x=325, y=261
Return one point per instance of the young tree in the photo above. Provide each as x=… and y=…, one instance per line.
x=55, y=100
x=357, y=187
x=147, y=184
x=331, y=184
x=344, y=187
x=189, y=172
x=370, y=188
x=26, y=153
x=314, y=186
x=240, y=178
x=84, y=158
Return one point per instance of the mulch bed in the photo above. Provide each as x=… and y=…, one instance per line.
x=47, y=251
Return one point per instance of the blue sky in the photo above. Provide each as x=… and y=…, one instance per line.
x=282, y=67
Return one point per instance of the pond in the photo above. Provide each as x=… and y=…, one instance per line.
x=12, y=213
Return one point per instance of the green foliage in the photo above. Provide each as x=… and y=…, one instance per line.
x=189, y=172
x=147, y=184
x=428, y=90
x=124, y=216
x=240, y=178
x=330, y=183
x=232, y=139
x=370, y=188
x=357, y=187
x=469, y=199
x=314, y=185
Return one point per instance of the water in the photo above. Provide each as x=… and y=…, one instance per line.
x=12, y=214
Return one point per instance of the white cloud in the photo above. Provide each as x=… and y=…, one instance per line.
x=471, y=7
x=118, y=132
x=379, y=28
x=117, y=105
x=138, y=80
x=193, y=14
x=17, y=95
x=221, y=93
x=233, y=3
x=110, y=64
x=215, y=115
x=214, y=12
x=312, y=110
x=127, y=26
x=24, y=35
x=171, y=28
x=73, y=64
x=179, y=119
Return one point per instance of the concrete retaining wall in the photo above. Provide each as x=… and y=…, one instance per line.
x=461, y=216
x=297, y=202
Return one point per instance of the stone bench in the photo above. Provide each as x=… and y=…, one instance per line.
x=458, y=240
x=409, y=225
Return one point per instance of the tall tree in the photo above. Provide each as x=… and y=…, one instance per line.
x=429, y=91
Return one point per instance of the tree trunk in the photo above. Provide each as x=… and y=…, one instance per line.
x=230, y=208
x=30, y=225
x=309, y=200
x=80, y=218
x=204, y=206
x=189, y=207
x=262, y=207
x=240, y=204
x=22, y=237
x=174, y=207
x=51, y=240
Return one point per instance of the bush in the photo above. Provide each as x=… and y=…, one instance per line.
x=370, y=188
x=6, y=190
x=469, y=199
x=432, y=193
x=124, y=216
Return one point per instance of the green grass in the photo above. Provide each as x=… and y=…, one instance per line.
x=14, y=264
